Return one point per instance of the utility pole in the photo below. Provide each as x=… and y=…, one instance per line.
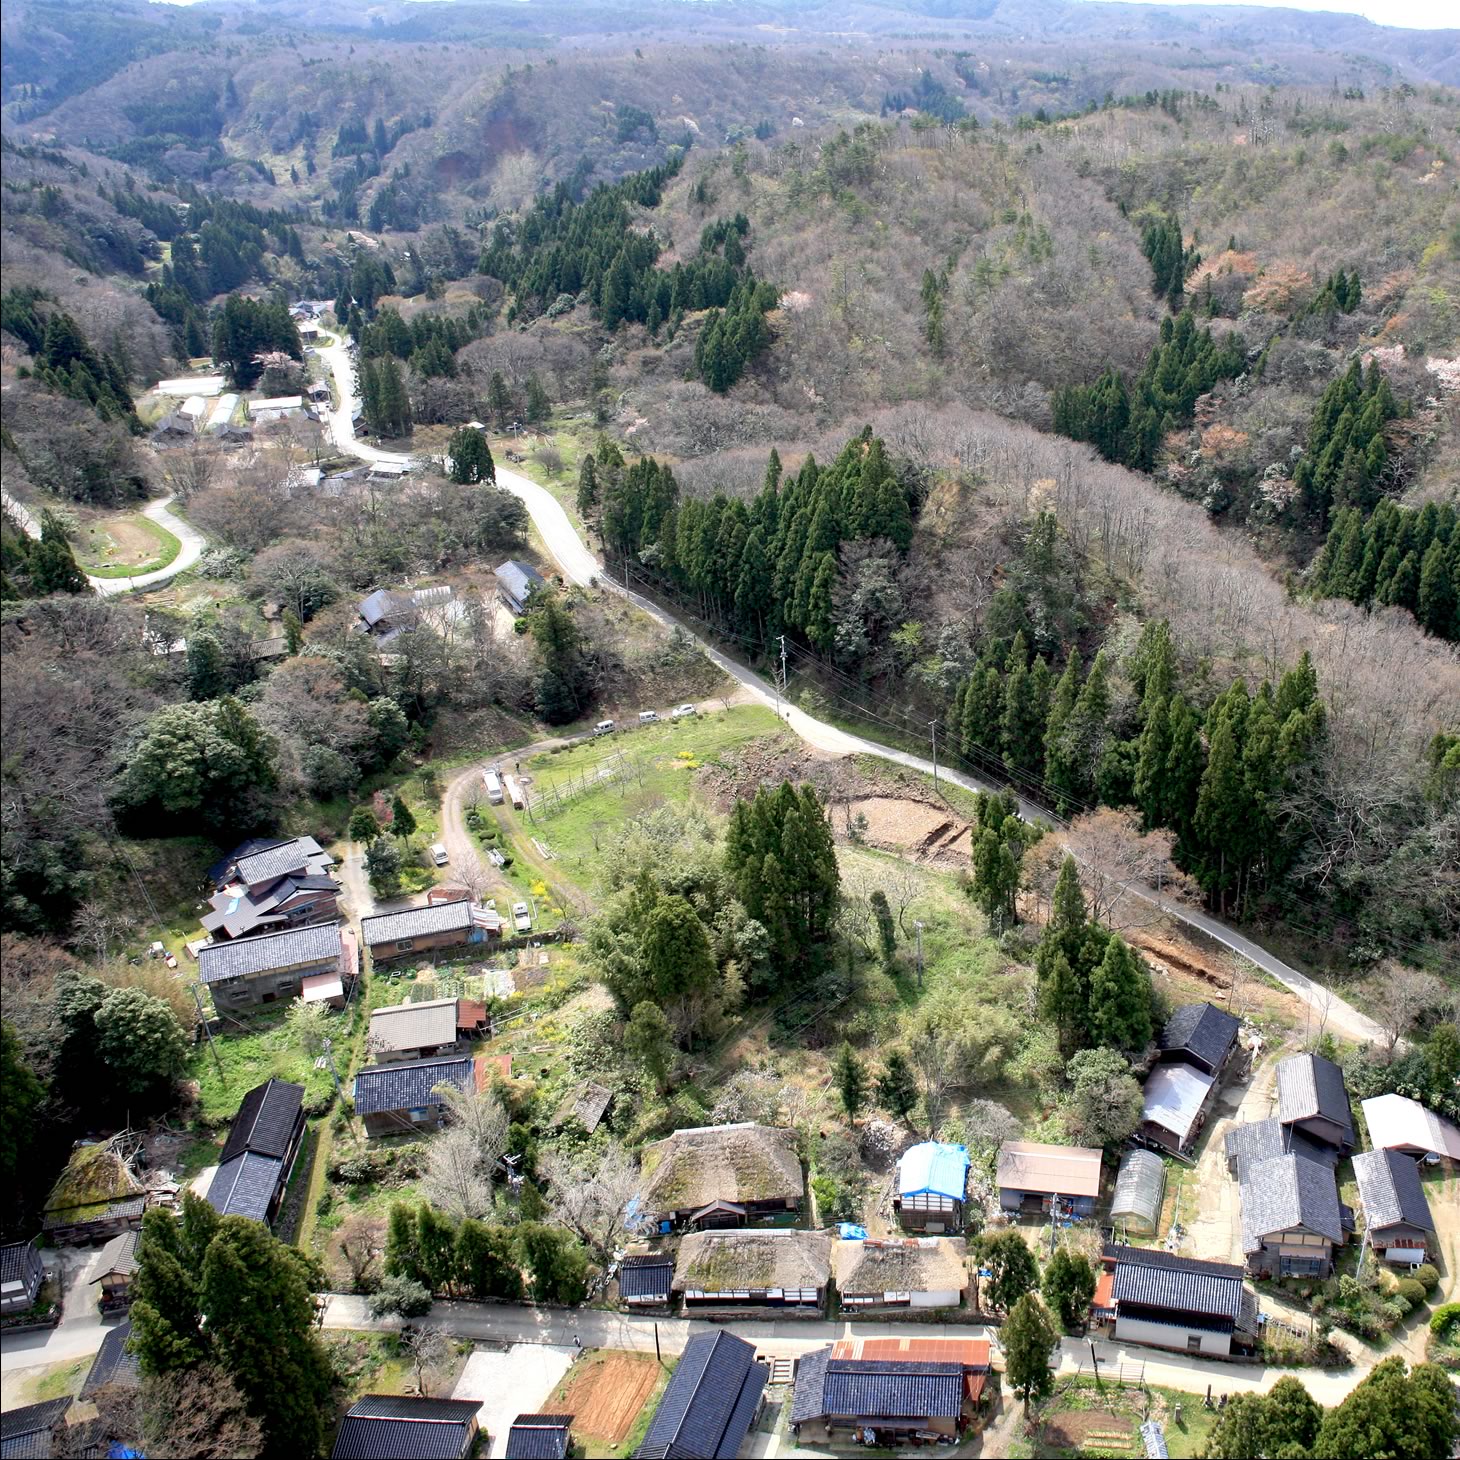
x=783, y=677
x=919, y=928
x=202, y=1018
x=933, y=728
x=327, y=1044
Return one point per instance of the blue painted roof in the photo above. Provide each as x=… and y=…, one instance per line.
x=934, y=1167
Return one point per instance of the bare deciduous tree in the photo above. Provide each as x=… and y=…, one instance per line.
x=428, y=1349
x=592, y=1201
x=461, y=1160
x=1404, y=994
x=1113, y=854
x=361, y=1244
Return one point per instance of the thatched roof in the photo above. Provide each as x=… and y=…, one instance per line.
x=901, y=1265
x=738, y=1163
x=720, y=1262
x=585, y=1104
x=96, y=1178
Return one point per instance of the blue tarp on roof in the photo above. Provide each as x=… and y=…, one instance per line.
x=934, y=1167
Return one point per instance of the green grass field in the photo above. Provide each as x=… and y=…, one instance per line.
x=130, y=533
x=248, y=1057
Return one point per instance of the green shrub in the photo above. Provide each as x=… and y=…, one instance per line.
x=1412, y=1291
x=1427, y=1276
x=1445, y=1318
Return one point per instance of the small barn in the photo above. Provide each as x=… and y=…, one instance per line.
x=932, y=1179
x=22, y=1274
x=1175, y=1108
x=516, y=583
x=1032, y=1176
x=1397, y=1217
x=1397, y=1123
x=645, y=1279
x=114, y=1271
x=1313, y=1099
x=1140, y=1186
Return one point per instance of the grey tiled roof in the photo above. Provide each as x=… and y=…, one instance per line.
x=20, y=1262
x=1289, y=1191
x=416, y=922
x=400, y=1427
x=275, y=861
x=409, y=1085
x=244, y=1186
x=265, y=1121
x=1202, y=1030
x=895, y=1388
x=1310, y=1085
x=709, y=1402
x=1260, y=1140
x=806, y=1401
x=119, y=1255
x=1159, y=1280
x=539, y=1437
x=25, y=1434
x=1390, y=1190
x=646, y=1276
x=114, y=1363
x=270, y=953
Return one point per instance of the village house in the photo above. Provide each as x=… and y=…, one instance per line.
x=1261, y=1140
x=539, y=1437
x=1291, y=1217
x=114, y=1363
x=931, y=1181
x=889, y=1391
x=96, y=1197
x=1398, y=1224
x=377, y=1426
x=258, y=1157
x=900, y=1272
x=114, y=1270
x=1313, y=1099
x=427, y=1030
x=710, y=1403
x=1156, y=1298
x=249, y=972
x=386, y=615
x=1400, y=1124
x=267, y=886
x=1032, y=1177
x=22, y=1274
x=723, y=1176
x=34, y=1429
x=516, y=583
x=1202, y=1036
x=646, y=1280
x=729, y=1270
x=395, y=1099
x=1174, y=1110
x=421, y=930
x=276, y=408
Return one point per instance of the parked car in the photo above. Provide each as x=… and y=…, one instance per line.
x=521, y=918
x=604, y=727
x=683, y=712
x=438, y=854
x=648, y=717
x=496, y=858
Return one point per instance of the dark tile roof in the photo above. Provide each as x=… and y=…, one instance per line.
x=244, y=1186
x=417, y=922
x=400, y=1427
x=646, y=1276
x=539, y=1437
x=1202, y=1030
x=408, y=1085
x=265, y=1121
x=896, y=1389
x=20, y=1263
x=1390, y=1190
x=269, y=952
x=119, y=1255
x=708, y=1404
x=1310, y=1085
x=221, y=868
x=806, y=1401
x=1260, y=1140
x=1161, y=1280
x=1289, y=1191
x=25, y=1434
x=269, y=863
x=114, y=1363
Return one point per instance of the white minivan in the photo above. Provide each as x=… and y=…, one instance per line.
x=648, y=717
x=604, y=727
x=438, y=854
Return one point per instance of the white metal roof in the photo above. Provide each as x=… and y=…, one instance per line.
x=1397, y=1123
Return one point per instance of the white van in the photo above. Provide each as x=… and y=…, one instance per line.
x=648, y=717
x=438, y=854
x=493, y=783
x=604, y=727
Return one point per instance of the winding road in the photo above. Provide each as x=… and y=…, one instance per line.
x=193, y=542
x=578, y=565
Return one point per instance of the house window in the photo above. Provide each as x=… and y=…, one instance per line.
x=419, y=1115
x=269, y=998
x=1193, y=1343
x=1300, y=1266
x=405, y=945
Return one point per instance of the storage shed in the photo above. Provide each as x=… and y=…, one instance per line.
x=931, y=1181
x=1140, y=1186
x=1175, y=1108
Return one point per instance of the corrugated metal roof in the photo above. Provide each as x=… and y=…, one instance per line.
x=1390, y=1190
x=409, y=1086
x=411, y=1026
x=416, y=922
x=1174, y=1097
x=518, y=579
x=972, y=1353
x=1394, y=1120
x=270, y=953
x=1139, y=1188
x=934, y=1167
x=1033, y=1166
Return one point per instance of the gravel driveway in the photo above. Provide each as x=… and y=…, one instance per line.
x=510, y=1382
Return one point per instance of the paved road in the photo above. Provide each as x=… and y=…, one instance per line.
x=193, y=542
x=511, y=1323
